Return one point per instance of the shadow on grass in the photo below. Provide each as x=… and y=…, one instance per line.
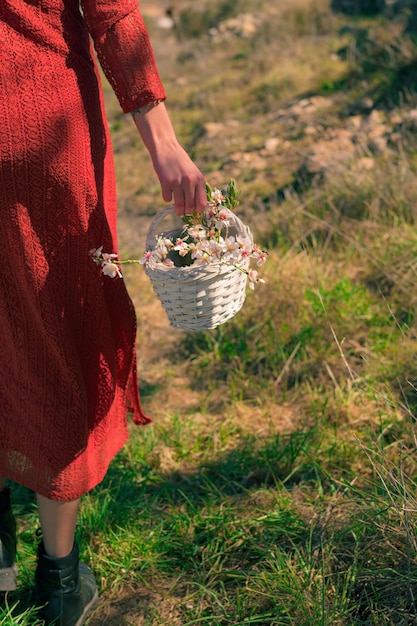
x=267, y=505
x=216, y=505
x=268, y=462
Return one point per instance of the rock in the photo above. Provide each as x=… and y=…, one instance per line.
x=311, y=130
x=213, y=129
x=355, y=122
x=410, y=119
x=362, y=167
x=395, y=139
x=396, y=119
x=374, y=118
x=296, y=111
x=364, y=105
x=165, y=22
x=272, y=143
x=306, y=106
x=341, y=134
x=251, y=160
x=373, y=133
x=244, y=25
x=321, y=102
x=327, y=157
x=378, y=145
x=365, y=163
x=378, y=131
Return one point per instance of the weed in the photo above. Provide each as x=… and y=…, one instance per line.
x=277, y=483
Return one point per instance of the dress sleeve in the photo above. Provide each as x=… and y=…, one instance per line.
x=124, y=50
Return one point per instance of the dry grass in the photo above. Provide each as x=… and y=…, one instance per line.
x=276, y=485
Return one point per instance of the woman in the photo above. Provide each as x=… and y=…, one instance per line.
x=67, y=335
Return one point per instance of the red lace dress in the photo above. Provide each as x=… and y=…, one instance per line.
x=67, y=334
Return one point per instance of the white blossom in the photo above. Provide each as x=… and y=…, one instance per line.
x=200, y=243
x=111, y=269
x=197, y=232
x=217, y=196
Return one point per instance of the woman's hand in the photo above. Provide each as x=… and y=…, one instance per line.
x=180, y=179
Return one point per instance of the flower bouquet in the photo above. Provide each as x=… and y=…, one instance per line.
x=200, y=270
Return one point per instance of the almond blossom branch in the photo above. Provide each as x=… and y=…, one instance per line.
x=204, y=239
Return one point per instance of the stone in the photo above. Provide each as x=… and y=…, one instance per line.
x=410, y=119
x=251, y=160
x=355, y=122
x=213, y=129
x=365, y=163
x=327, y=157
x=378, y=145
x=363, y=105
x=165, y=22
x=272, y=143
x=243, y=25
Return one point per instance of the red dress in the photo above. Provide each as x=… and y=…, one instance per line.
x=67, y=334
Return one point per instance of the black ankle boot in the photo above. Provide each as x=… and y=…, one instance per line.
x=65, y=587
x=8, y=569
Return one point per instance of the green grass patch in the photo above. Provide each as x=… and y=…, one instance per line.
x=277, y=483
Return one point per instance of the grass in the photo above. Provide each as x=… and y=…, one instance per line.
x=277, y=483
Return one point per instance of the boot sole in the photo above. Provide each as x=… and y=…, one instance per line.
x=87, y=610
x=8, y=578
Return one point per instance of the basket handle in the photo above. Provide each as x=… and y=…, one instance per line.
x=152, y=231
x=241, y=228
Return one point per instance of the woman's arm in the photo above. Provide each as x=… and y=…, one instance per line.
x=126, y=56
x=179, y=177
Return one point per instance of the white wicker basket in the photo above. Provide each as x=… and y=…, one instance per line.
x=198, y=298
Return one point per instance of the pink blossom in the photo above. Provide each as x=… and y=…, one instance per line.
x=182, y=247
x=254, y=278
x=222, y=218
x=108, y=257
x=146, y=257
x=154, y=261
x=210, y=212
x=217, y=196
x=96, y=252
x=208, y=241
x=245, y=243
x=261, y=259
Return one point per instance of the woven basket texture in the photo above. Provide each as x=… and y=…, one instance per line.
x=198, y=298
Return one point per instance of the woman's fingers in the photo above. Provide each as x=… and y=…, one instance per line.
x=189, y=196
